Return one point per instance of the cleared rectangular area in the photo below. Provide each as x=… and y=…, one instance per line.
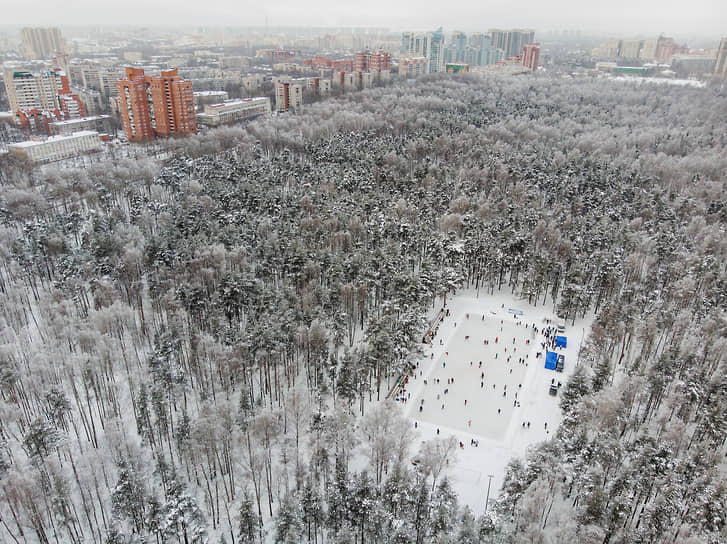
x=457, y=377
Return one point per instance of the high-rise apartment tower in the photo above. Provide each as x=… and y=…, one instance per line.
x=720, y=67
x=155, y=105
x=38, y=43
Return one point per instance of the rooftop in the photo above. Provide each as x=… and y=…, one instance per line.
x=80, y=120
x=237, y=102
x=59, y=138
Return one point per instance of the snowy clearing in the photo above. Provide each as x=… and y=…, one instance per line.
x=500, y=436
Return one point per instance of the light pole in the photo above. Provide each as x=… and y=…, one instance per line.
x=489, y=483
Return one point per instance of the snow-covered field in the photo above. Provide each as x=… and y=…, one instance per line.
x=500, y=436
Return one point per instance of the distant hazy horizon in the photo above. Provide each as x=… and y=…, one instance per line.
x=644, y=17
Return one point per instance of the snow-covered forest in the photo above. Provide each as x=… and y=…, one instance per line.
x=198, y=350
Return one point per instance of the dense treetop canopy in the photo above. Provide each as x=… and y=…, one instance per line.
x=192, y=348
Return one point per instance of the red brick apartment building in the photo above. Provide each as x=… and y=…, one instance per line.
x=151, y=106
x=372, y=61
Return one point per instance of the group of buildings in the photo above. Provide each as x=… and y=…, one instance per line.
x=652, y=50
x=71, y=104
x=660, y=56
x=429, y=52
x=38, y=99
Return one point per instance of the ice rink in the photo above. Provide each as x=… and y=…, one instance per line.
x=490, y=439
x=475, y=386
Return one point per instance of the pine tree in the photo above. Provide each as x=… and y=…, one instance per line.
x=576, y=387
x=420, y=511
x=602, y=373
x=338, y=497
x=444, y=508
x=312, y=506
x=467, y=533
x=250, y=522
x=129, y=499
x=287, y=521
x=183, y=519
x=363, y=502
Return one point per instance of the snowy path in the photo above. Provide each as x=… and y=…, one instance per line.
x=501, y=436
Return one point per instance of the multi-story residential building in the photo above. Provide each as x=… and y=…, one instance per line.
x=412, y=67
x=235, y=63
x=38, y=43
x=720, y=66
x=288, y=96
x=36, y=121
x=318, y=86
x=372, y=61
x=85, y=75
x=99, y=123
x=659, y=50
x=693, y=65
x=252, y=83
x=459, y=46
x=608, y=50
x=62, y=61
x=288, y=67
x=234, y=110
x=155, y=105
x=71, y=106
x=172, y=103
x=205, y=98
x=93, y=102
x=531, y=56
x=348, y=81
x=436, y=52
x=133, y=106
x=648, y=50
x=90, y=75
x=37, y=99
x=323, y=87
x=338, y=65
x=406, y=39
x=429, y=45
x=630, y=49
x=364, y=79
x=511, y=41
x=37, y=90
x=57, y=147
x=477, y=52
x=276, y=55
x=666, y=47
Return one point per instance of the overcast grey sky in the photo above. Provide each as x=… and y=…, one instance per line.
x=672, y=17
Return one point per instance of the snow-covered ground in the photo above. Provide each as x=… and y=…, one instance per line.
x=662, y=81
x=501, y=436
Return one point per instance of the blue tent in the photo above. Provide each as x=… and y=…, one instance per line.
x=551, y=358
x=561, y=341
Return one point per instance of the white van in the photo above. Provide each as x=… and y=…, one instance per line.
x=561, y=326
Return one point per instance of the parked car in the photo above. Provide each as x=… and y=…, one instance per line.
x=560, y=363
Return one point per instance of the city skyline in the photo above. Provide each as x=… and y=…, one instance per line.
x=706, y=17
